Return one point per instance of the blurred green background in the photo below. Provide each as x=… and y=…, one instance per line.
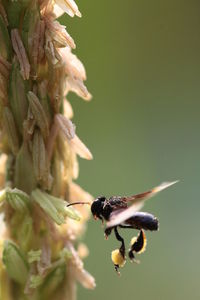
x=143, y=127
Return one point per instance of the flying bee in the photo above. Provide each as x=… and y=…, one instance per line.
x=123, y=212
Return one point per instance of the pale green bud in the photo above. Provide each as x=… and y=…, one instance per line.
x=18, y=199
x=38, y=113
x=17, y=96
x=25, y=232
x=54, y=207
x=61, y=206
x=24, y=176
x=44, y=202
x=39, y=156
x=14, y=262
x=10, y=128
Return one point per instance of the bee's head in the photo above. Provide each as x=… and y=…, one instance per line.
x=97, y=207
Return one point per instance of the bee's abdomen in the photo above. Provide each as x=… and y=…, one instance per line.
x=141, y=220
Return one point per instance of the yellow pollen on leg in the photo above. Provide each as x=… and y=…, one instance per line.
x=117, y=258
x=144, y=244
x=133, y=240
x=144, y=241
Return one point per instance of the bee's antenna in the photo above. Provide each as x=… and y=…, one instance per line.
x=74, y=203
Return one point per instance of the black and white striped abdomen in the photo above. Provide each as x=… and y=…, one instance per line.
x=143, y=220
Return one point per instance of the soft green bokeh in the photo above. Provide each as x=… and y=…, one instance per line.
x=143, y=127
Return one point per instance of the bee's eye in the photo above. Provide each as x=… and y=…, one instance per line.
x=97, y=206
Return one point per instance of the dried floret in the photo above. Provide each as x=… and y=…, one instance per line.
x=69, y=6
x=21, y=53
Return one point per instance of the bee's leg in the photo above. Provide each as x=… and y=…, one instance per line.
x=118, y=255
x=118, y=260
x=117, y=269
x=107, y=232
x=119, y=238
x=138, y=245
x=131, y=255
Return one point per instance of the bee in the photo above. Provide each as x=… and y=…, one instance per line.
x=123, y=212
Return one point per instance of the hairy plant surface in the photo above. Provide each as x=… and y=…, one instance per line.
x=40, y=252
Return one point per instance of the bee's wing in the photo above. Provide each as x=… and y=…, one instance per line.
x=138, y=200
x=146, y=195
